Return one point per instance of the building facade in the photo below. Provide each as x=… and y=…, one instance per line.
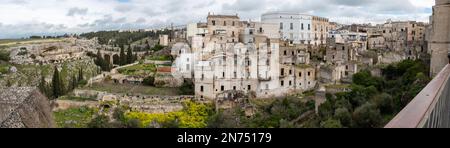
x=440, y=36
x=248, y=57
x=299, y=28
x=294, y=27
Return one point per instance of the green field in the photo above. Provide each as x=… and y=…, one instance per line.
x=133, y=89
x=160, y=58
x=138, y=70
x=74, y=117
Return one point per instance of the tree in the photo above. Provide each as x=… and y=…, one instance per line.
x=367, y=116
x=123, y=58
x=344, y=116
x=43, y=86
x=104, y=65
x=147, y=45
x=187, y=88
x=326, y=109
x=56, y=84
x=129, y=55
x=384, y=102
x=365, y=78
x=80, y=75
x=101, y=121
x=4, y=55
x=331, y=123
x=73, y=83
x=149, y=81
x=35, y=37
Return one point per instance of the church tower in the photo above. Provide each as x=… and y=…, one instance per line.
x=440, y=36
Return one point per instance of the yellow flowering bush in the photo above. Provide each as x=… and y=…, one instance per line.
x=194, y=115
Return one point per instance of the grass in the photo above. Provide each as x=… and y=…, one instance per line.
x=309, y=93
x=262, y=102
x=74, y=117
x=338, y=86
x=134, y=89
x=302, y=66
x=4, y=68
x=160, y=58
x=138, y=70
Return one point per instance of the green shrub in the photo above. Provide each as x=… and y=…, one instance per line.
x=4, y=55
x=149, y=81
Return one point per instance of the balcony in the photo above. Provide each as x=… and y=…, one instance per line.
x=430, y=108
x=264, y=78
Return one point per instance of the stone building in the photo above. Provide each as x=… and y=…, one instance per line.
x=245, y=56
x=294, y=27
x=321, y=27
x=299, y=28
x=406, y=38
x=196, y=32
x=24, y=108
x=223, y=28
x=342, y=56
x=183, y=66
x=440, y=36
x=164, y=40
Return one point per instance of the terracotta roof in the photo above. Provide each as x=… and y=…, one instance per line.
x=164, y=69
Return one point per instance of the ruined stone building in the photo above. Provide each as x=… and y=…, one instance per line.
x=24, y=108
x=440, y=36
x=407, y=38
x=246, y=56
x=321, y=27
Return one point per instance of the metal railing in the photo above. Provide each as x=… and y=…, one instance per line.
x=430, y=108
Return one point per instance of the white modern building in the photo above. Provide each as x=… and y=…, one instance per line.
x=294, y=27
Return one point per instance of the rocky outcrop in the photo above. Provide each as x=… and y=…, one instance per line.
x=24, y=108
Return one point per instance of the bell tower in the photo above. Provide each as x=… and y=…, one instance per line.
x=440, y=36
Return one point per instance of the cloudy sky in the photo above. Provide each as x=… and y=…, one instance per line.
x=21, y=18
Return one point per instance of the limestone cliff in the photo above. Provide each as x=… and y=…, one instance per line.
x=24, y=107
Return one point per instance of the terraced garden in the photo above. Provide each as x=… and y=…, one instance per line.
x=138, y=70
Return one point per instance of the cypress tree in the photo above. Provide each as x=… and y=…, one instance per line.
x=56, y=84
x=80, y=75
x=123, y=58
x=129, y=55
x=74, y=83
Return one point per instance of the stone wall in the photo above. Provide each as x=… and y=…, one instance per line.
x=144, y=103
x=67, y=104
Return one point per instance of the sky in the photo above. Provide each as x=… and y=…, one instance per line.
x=22, y=18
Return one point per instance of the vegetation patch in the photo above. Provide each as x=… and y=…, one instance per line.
x=74, y=98
x=194, y=115
x=138, y=70
x=74, y=117
x=160, y=58
x=134, y=89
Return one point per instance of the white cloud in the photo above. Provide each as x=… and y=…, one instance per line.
x=26, y=17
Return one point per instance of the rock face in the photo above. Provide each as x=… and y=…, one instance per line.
x=24, y=108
